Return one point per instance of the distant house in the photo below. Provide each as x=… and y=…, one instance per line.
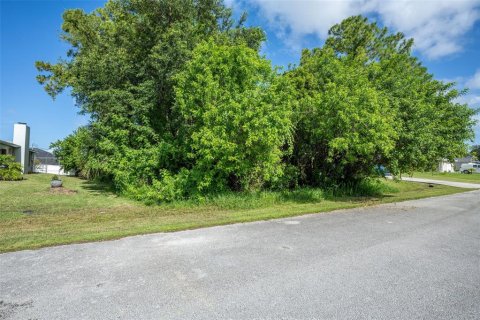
x=48, y=163
x=460, y=161
x=8, y=148
x=445, y=166
x=19, y=148
x=45, y=157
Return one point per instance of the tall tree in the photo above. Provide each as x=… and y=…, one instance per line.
x=121, y=69
x=181, y=102
x=429, y=123
x=392, y=112
x=475, y=151
x=237, y=117
x=343, y=124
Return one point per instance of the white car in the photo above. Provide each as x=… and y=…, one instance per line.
x=472, y=167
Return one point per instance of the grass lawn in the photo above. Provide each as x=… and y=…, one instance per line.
x=32, y=216
x=449, y=176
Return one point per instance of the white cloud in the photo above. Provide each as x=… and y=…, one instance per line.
x=476, y=128
x=230, y=3
x=459, y=81
x=472, y=100
x=474, y=82
x=437, y=25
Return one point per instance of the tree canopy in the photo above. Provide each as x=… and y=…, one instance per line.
x=365, y=99
x=236, y=117
x=475, y=152
x=181, y=103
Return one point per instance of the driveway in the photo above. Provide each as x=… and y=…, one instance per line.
x=411, y=260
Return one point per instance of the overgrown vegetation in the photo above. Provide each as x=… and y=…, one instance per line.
x=475, y=152
x=10, y=170
x=33, y=215
x=182, y=105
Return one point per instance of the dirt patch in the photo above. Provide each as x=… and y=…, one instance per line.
x=62, y=190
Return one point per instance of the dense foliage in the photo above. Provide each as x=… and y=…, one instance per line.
x=475, y=152
x=235, y=117
x=10, y=170
x=344, y=125
x=365, y=100
x=182, y=103
x=76, y=152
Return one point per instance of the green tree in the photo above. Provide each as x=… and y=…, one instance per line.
x=237, y=117
x=121, y=69
x=365, y=100
x=475, y=151
x=181, y=102
x=74, y=152
x=343, y=124
x=429, y=123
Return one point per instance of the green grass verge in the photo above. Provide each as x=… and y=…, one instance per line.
x=31, y=216
x=449, y=176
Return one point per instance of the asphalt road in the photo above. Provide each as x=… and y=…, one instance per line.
x=411, y=260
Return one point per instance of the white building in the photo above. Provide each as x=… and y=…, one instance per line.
x=446, y=166
x=19, y=148
x=48, y=163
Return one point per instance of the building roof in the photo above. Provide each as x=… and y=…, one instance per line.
x=464, y=159
x=9, y=144
x=45, y=157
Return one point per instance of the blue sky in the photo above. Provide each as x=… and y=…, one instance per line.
x=447, y=37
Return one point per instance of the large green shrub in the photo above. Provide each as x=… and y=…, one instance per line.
x=343, y=124
x=429, y=122
x=121, y=68
x=9, y=169
x=365, y=100
x=236, y=117
x=182, y=104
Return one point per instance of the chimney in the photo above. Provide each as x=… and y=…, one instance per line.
x=21, y=137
